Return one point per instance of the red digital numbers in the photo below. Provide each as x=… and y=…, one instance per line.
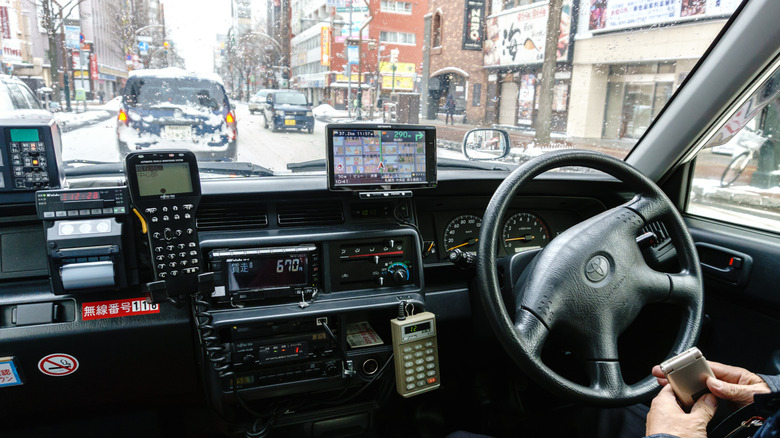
x=80, y=196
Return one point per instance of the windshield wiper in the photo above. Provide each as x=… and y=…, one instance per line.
x=443, y=163
x=450, y=163
x=307, y=166
x=92, y=167
x=233, y=168
x=216, y=167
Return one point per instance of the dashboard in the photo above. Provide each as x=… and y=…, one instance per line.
x=251, y=291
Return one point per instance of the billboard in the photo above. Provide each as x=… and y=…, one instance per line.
x=518, y=37
x=325, y=34
x=606, y=15
x=473, y=24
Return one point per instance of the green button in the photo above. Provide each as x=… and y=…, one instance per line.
x=119, y=209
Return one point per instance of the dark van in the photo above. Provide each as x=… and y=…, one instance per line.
x=288, y=109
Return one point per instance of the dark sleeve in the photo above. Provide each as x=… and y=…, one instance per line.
x=772, y=381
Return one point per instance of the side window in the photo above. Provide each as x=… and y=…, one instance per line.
x=5, y=98
x=737, y=174
x=436, y=31
x=27, y=93
x=17, y=97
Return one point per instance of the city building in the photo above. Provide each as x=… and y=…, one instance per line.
x=618, y=91
x=514, y=46
x=390, y=29
x=453, y=60
x=310, y=57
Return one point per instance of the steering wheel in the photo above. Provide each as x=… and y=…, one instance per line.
x=591, y=281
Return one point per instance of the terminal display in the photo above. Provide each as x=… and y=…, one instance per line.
x=163, y=178
x=363, y=157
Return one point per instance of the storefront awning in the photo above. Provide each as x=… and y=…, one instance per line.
x=345, y=85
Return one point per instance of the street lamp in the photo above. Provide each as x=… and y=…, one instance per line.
x=278, y=47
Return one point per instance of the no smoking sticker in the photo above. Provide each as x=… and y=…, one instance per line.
x=58, y=365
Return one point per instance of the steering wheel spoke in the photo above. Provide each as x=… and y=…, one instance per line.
x=531, y=331
x=606, y=376
x=649, y=207
x=686, y=289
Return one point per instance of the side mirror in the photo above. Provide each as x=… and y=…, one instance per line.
x=486, y=144
x=233, y=106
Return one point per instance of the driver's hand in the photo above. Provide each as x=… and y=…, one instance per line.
x=734, y=384
x=667, y=417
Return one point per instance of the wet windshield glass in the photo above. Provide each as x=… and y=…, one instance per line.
x=556, y=74
x=158, y=92
x=291, y=98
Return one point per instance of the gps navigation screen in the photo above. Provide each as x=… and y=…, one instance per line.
x=378, y=157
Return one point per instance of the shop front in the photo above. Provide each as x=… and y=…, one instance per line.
x=514, y=53
x=448, y=82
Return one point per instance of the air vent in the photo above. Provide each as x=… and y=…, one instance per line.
x=660, y=232
x=231, y=216
x=310, y=213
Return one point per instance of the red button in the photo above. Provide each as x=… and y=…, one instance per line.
x=432, y=380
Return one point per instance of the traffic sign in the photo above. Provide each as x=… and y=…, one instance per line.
x=58, y=365
x=143, y=48
x=144, y=38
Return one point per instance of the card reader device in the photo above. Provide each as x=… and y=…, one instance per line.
x=416, y=352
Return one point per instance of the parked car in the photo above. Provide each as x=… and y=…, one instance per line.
x=288, y=109
x=15, y=95
x=173, y=108
x=257, y=102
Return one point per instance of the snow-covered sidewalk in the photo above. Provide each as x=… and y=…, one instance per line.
x=95, y=113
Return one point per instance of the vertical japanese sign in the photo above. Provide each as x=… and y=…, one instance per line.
x=73, y=37
x=5, y=22
x=473, y=24
x=353, y=55
x=9, y=26
x=93, y=66
x=325, y=33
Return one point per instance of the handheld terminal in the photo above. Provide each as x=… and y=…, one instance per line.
x=165, y=191
x=416, y=352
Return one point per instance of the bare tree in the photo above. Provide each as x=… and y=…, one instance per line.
x=54, y=13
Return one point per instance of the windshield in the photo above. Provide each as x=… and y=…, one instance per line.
x=290, y=98
x=163, y=92
x=556, y=74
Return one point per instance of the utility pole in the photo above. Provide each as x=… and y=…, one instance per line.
x=162, y=21
x=67, y=62
x=544, y=116
x=349, y=65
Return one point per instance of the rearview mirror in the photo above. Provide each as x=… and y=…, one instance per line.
x=486, y=144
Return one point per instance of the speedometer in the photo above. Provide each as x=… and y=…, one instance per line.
x=524, y=231
x=462, y=233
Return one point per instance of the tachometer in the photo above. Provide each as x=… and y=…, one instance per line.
x=524, y=231
x=463, y=233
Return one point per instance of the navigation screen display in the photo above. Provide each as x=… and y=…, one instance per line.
x=378, y=157
x=163, y=179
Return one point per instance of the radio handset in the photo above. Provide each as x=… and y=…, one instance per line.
x=416, y=352
x=165, y=192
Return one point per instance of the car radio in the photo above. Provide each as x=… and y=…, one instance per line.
x=264, y=273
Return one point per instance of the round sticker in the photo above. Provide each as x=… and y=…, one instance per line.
x=58, y=364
